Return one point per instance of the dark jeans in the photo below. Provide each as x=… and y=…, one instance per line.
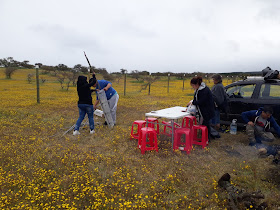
x=207, y=124
x=271, y=149
x=83, y=110
x=216, y=119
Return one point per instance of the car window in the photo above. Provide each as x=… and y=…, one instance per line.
x=270, y=91
x=241, y=91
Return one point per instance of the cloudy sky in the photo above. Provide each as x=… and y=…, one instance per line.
x=152, y=35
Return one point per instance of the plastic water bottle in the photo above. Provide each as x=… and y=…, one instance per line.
x=233, y=127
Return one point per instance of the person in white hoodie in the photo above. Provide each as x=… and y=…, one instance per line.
x=204, y=102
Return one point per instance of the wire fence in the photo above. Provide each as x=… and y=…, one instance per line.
x=163, y=84
x=127, y=85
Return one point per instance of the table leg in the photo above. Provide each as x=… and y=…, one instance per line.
x=172, y=136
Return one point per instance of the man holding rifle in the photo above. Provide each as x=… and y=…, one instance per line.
x=111, y=95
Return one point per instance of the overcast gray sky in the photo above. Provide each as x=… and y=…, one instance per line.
x=152, y=35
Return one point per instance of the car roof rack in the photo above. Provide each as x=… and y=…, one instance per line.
x=254, y=78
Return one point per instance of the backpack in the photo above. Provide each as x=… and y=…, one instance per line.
x=268, y=73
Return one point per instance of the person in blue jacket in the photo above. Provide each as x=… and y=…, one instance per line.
x=111, y=94
x=259, y=123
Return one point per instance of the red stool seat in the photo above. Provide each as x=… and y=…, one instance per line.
x=147, y=140
x=189, y=122
x=168, y=125
x=153, y=122
x=203, y=141
x=140, y=124
x=187, y=144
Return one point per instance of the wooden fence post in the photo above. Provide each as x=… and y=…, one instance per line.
x=124, y=91
x=184, y=81
x=168, y=83
x=37, y=83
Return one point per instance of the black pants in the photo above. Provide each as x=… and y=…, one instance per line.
x=207, y=124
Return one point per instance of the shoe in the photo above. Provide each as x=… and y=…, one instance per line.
x=221, y=130
x=91, y=132
x=75, y=132
x=262, y=151
x=252, y=142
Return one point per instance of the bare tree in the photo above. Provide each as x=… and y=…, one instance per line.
x=43, y=80
x=10, y=65
x=136, y=75
x=63, y=79
x=149, y=80
x=9, y=71
x=60, y=79
x=73, y=76
x=29, y=78
x=67, y=78
x=118, y=77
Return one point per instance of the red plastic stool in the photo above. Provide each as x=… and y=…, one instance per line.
x=178, y=144
x=140, y=124
x=189, y=122
x=147, y=140
x=140, y=134
x=203, y=141
x=168, y=125
x=152, y=125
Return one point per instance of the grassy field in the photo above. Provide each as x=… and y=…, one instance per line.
x=42, y=169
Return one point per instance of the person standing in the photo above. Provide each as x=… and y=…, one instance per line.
x=203, y=100
x=111, y=95
x=220, y=100
x=85, y=103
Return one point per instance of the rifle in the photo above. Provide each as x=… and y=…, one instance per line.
x=90, y=69
x=103, y=100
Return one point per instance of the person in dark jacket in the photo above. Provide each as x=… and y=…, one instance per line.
x=220, y=100
x=85, y=103
x=203, y=100
x=259, y=123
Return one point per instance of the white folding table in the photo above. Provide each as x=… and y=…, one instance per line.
x=172, y=113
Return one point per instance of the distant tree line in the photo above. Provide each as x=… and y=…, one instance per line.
x=65, y=75
x=12, y=65
x=64, y=72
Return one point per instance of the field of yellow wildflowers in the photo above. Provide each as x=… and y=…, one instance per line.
x=43, y=169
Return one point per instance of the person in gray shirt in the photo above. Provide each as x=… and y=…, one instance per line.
x=220, y=100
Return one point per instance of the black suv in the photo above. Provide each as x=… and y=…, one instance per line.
x=250, y=94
